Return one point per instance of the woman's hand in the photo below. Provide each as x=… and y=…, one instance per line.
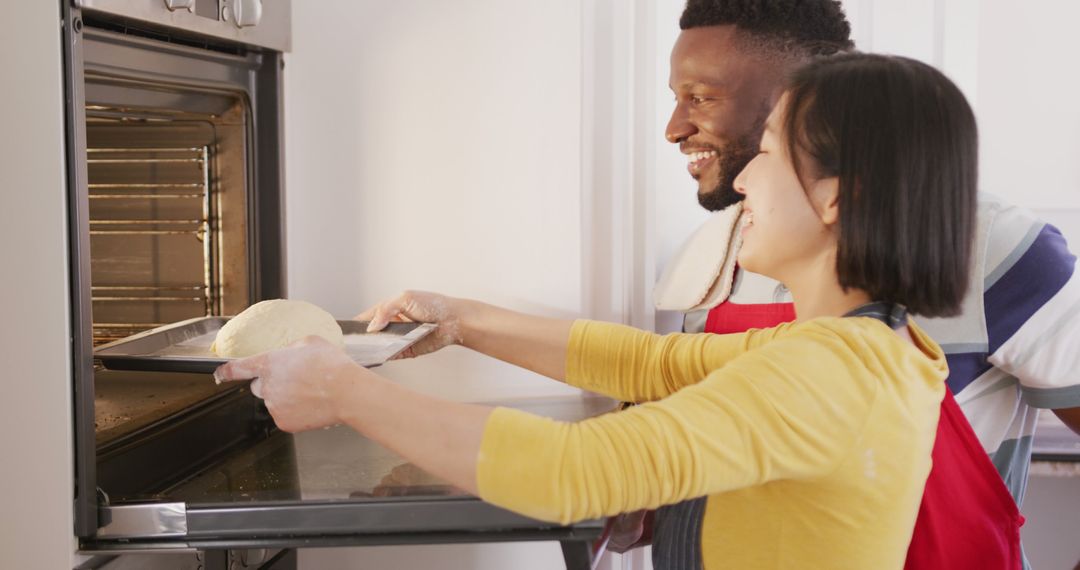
x=313, y=384
x=536, y=343
x=302, y=384
x=421, y=307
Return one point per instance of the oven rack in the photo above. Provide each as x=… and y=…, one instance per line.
x=121, y=164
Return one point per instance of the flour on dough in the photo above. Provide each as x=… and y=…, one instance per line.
x=269, y=325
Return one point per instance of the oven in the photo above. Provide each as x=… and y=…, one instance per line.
x=176, y=211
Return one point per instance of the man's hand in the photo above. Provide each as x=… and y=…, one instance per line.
x=1070, y=417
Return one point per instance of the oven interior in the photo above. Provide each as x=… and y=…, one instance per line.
x=167, y=188
x=168, y=209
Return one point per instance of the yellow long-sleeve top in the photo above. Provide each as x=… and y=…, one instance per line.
x=811, y=440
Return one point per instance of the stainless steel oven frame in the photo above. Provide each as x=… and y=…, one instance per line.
x=251, y=72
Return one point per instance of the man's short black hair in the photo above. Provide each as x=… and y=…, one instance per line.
x=902, y=140
x=800, y=27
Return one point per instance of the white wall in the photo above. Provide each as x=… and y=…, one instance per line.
x=35, y=426
x=437, y=145
x=1028, y=119
x=1027, y=111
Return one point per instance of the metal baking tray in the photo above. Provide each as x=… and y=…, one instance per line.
x=185, y=346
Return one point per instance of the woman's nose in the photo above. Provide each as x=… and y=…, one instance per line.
x=740, y=181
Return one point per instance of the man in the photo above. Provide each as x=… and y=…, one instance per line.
x=1011, y=352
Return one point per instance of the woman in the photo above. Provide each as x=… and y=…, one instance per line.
x=807, y=444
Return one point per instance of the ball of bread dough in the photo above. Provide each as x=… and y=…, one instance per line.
x=269, y=325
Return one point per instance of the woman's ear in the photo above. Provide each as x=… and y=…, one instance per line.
x=825, y=198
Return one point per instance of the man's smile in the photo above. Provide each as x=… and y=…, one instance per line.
x=698, y=160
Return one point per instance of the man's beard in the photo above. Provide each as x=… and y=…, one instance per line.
x=731, y=161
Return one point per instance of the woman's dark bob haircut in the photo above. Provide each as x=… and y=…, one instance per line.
x=902, y=141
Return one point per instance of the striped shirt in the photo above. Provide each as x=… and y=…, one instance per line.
x=1015, y=348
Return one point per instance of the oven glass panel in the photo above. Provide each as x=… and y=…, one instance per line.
x=336, y=464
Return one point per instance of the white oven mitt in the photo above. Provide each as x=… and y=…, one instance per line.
x=701, y=274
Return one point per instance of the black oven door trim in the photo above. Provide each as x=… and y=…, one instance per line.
x=254, y=74
x=86, y=500
x=326, y=524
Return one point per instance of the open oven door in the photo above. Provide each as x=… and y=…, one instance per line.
x=324, y=488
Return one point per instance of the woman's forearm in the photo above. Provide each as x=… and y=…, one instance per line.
x=535, y=343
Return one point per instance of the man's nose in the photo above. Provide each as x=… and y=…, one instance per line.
x=679, y=127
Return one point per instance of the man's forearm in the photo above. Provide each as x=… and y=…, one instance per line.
x=1070, y=417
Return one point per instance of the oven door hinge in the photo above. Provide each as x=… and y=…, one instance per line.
x=102, y=503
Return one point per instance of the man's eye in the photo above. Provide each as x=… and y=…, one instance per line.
x=698, y=100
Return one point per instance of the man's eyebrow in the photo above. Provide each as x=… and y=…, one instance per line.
x=691, y=84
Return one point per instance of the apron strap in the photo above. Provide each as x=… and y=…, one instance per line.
x=893, y=315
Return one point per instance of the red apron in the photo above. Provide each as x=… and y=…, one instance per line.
x=967, y=518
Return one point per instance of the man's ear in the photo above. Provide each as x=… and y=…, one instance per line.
x=825, y=198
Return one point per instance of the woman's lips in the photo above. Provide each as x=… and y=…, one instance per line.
x=747, y=221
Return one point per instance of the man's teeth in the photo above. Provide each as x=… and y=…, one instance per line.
x=699, y=156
